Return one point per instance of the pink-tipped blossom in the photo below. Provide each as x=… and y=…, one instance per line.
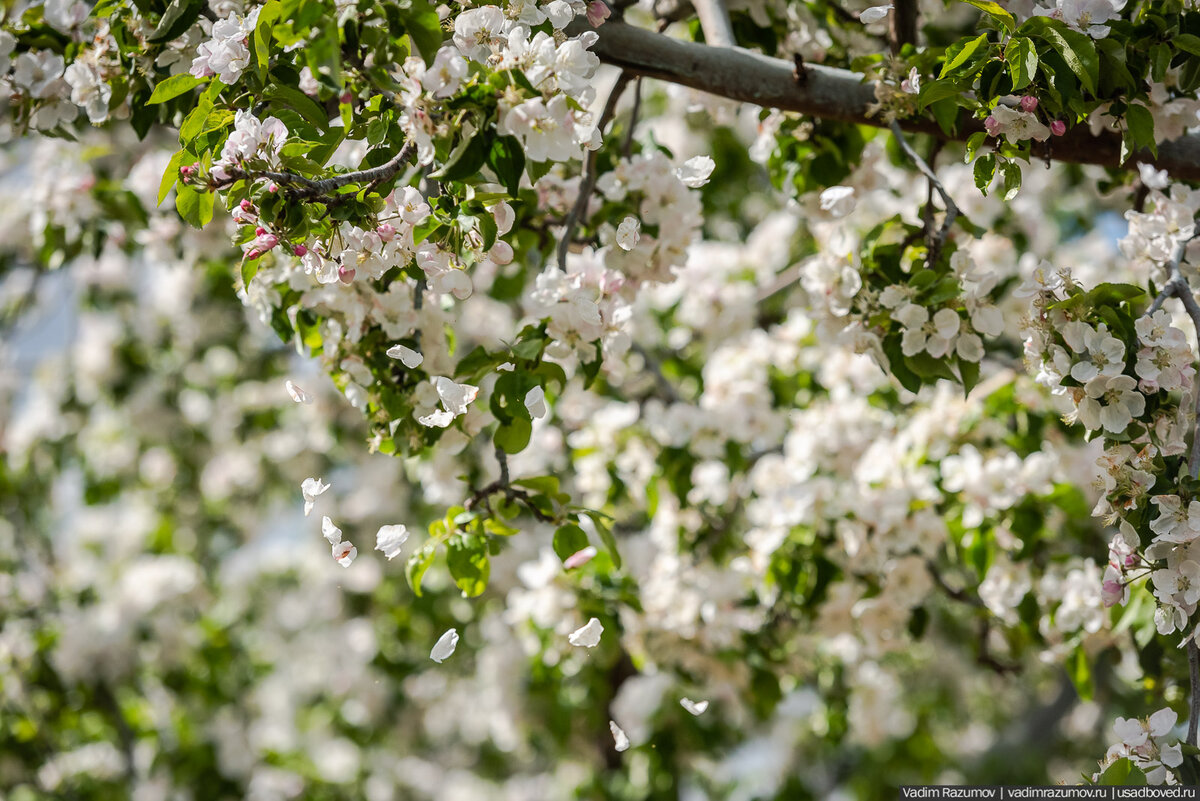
x=992, y=126
x=597, y=12
x=246, y=205
x=386, y=231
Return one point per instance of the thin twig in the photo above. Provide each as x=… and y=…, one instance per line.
x=936, y=241
x=588, y=182
x=714, y=21
x=633, y=118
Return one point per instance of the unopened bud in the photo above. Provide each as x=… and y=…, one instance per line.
x=259, y=231
x=992, y=126
x=345, y=275
x=246, y=204
x=1058, y=127
x=272, y=188
x=300, y=250
x=386, y=232
x=1029, y=103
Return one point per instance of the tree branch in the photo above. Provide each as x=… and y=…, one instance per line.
x=302, y=188
x=838, y=94
x=714, y=21
x=902, y=28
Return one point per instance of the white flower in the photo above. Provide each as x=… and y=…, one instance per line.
x=389, y=539
x=1016, y=124
x=439, y=418
x=695, y=171
x=695, y=707
x=1174, y=523
x=588, y=636
x=331, y=532
x=1111, y=403
x=298, y=395
x=535, y=402
x=1087, y=15
x=873, y=14
x=444, y=646
x=480, y=30
x=226, y=54
x=407, y=356
x=310, y=488
x=308, y=82
x=445, y=75
x=455, y=397
x=838, y=201
x=620, y=739
x=1179, y=586
x=344, y=553
x=628, y=233
x=413, y=208
x=89, y=90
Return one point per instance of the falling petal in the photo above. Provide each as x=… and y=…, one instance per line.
x=587, y=636
x=444, y=646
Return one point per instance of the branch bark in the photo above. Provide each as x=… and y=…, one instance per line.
x=838, y=94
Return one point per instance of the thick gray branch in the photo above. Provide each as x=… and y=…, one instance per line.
x=836, y=94
x=714, y=21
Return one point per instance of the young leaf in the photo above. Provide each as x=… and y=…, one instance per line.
x=996, y=11
x=173, y=87
x=1022, y=62
x=960, y=56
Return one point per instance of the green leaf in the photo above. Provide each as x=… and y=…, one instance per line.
x=962, y=54
x=1077, y=49
x=507, y=159
x=945, y=111
x=985, y=170
x=968, y=374
x=933, y=91
x=996, y=11
x=193, y=123
x=171, y=175
x=1139, y=124
x=606, y=536
x=1012, y=179
x=1116, y=773
x=467, y=558
x=1187, y=43
x=568, y=540
x=897, y=367
x=298, y=102
x=196, y=208
x=176, y=20
x=418, y=564
x=263, y=30
x=513, y=436
x=173, y=87
x=465, y=160
x=1022, y=62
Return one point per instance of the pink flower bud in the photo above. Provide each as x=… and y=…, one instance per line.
x=345, y=275
x=246, y=204
x=267, y=241
x=251, y=255
x=1058, y=127
x=579, y=558
x=300, y=250
x=386, y=232
x=272, y=188
x=186, y=170
x=259, y=231
x=1029, y=103
x=597, y=12
x=992, y=126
